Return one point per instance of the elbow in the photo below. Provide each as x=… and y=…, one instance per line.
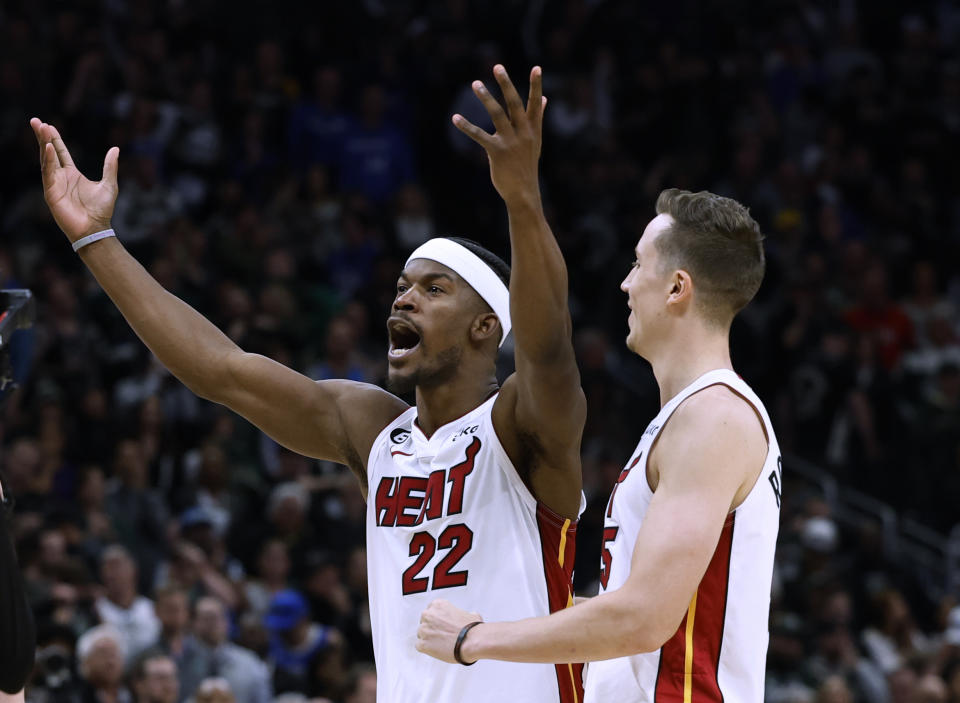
x=216, y=387
x=649, y=629
x=645, y=639
x=204, y=391
x=649, y=641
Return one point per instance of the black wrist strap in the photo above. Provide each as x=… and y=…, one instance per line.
x=460, y=638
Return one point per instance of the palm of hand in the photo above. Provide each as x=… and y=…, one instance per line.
x=80, y=206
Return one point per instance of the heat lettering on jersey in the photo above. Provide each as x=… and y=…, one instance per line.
x=407, y=501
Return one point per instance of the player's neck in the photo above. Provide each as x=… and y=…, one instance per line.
x=439, y=405
x=686, y=358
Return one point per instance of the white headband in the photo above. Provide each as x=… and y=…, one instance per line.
x=474, y=271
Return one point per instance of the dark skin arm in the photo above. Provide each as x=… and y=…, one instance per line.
x=540, y=413
x=334, y=420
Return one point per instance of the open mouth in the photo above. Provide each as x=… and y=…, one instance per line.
x=404, y=338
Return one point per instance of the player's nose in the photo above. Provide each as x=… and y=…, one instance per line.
x=405, y=301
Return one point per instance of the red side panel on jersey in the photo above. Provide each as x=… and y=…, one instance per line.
x=558, y=540
x=691, y=676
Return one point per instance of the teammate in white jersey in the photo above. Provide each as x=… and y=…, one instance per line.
x=476, y=490
x=691, y=524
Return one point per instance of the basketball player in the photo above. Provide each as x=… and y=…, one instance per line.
x=474, y=491
x=691, y=523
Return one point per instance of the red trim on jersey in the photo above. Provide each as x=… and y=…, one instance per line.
x=558, y=572
x=416, y=420
x=708, y=622
x=394, y=453
x=669, y=686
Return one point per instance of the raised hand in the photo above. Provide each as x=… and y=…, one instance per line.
x=79, y=206
x=514, y=149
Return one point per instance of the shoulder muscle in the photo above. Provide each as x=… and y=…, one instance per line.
x=714, y=439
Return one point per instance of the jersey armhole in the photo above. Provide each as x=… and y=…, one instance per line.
x=761, y=418
x=513, y=478
x=509, y=470
x=375, y=447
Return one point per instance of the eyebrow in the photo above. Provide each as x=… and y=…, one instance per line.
x=430, y=276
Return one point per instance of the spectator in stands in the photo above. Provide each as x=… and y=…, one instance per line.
x=190, y=569
x=893, y=638
x=836, y=656
x=216, y=656
x=295, y=640
x=215, y=690
x=362, y=687
x=287, y=510
x=272, y=576
x=100, y=656
x=154, y=679
x=319, y=123
x=91, y=503
x=173, y=612
x=147, y=203
x=137, y=512
x=878, y=316
x=121, y=606
x=375, y=158
x=835, y=690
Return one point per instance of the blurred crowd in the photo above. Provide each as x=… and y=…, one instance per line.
x=278, y=162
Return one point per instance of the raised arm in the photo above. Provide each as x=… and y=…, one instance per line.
x=335, y=420
x=543, y=400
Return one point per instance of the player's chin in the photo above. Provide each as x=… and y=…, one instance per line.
x=401, y=379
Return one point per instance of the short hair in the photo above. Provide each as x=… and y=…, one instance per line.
x=718, y=243
x=138, y=671
x=290, y=489
x=499, y=266
x=221, y=606
x=167, y=589
x=90, y=638
x=115, y=551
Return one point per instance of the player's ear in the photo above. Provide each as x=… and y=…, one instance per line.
x=485, y=325
x=681, y=288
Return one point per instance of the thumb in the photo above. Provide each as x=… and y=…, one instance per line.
x=110, y=165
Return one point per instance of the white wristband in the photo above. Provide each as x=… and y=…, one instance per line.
x=91, y=238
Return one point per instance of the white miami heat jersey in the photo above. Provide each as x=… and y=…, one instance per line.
x=719, y=651
x=449, y=517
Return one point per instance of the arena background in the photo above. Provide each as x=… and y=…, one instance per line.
x=279, y=160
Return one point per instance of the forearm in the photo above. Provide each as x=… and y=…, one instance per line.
x=538, y=281
x=606, y=627
x=220, y=586
x=185, y=342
